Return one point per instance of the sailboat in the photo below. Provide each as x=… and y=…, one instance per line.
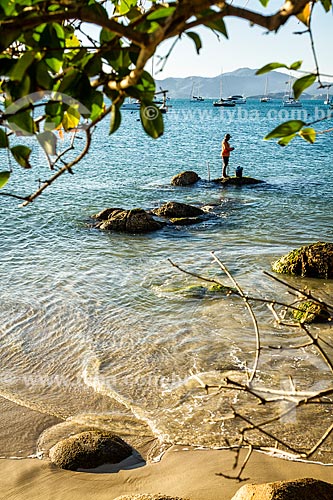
x=227, y=103
x=329, y=100
x=196, y=98
x=288, y=100
x=265, y=97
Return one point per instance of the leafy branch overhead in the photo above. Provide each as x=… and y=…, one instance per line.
x=56, y=77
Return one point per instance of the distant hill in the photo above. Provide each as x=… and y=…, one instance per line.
x=241, y=81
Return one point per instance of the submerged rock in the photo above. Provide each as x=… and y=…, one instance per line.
x=186, y=178
x=200, y=291
x=310, y=312
x=174, y=209
x=237, y=181
x=299, y=489
x=185, y=221
x=130, y=221
x=312, y=261
x=88, y=450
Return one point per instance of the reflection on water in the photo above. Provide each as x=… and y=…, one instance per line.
x=96, y=331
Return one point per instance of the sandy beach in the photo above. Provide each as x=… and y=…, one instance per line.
x=188, y=474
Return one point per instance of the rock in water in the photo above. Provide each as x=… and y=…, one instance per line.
x=310, y=312
x=136, y=220
x=311, y=261
x=186, y=178
x=173, y=209
x=88, y=450
x=106, y=213
x=300, y=489
x=237, y=181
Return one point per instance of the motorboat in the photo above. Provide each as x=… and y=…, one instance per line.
x=237, y=99
x=224, y=103
x=131, y=105
x=134, y=105
x=291, y=102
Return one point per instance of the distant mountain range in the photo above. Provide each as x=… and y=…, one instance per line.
x=241, y=81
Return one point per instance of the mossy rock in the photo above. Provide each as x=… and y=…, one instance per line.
x=88, y=450
x=312, y=261
x=186, y=178
x=176, y=210
x=136, y=220
x=297, y=489
x=106, y=213
x=310, y=312
x=201, y=291
x=237, y=181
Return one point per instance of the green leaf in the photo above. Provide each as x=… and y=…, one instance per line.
x=43, y=77
x=151, y=119
x=296, y=65
x=7, y=38
x=97, y=105
x=285, y=140
x=146, y=86
x=270, y=67
x=21, y=155
x=106, y=36
x=70, y=81
x=125, y=6
x=48, y=141
x=71, y=118
x=303, y=83
x=196, y=38
x=4, y=178
x=264, y=2
x=161, y=13
x=308, y=134
x=285, y=129
x=327, y=4
x=218, y=25
x=22, y=123
x=115, y=118
x=20, y=68
x=3, y=139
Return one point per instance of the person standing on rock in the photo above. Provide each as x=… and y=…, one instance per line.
x=225, y=153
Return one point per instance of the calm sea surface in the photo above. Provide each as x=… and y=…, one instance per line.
x=96, y=328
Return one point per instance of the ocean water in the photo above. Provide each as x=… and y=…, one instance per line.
x=97, y=329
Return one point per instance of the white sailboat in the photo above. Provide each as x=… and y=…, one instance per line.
x=265, y=97
x=288, y=100
x=227, y=103
x=329, y=100
x=196, y=98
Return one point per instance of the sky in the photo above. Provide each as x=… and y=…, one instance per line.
x=251, y=47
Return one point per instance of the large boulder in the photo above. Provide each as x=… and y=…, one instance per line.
x=130, y=221
x=312, y=261
x=105, y=213
x=300, y=489
x=88, y=450
x=173, y=209
x=186, y=178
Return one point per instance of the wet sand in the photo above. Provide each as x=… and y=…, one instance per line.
x=188, y=474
